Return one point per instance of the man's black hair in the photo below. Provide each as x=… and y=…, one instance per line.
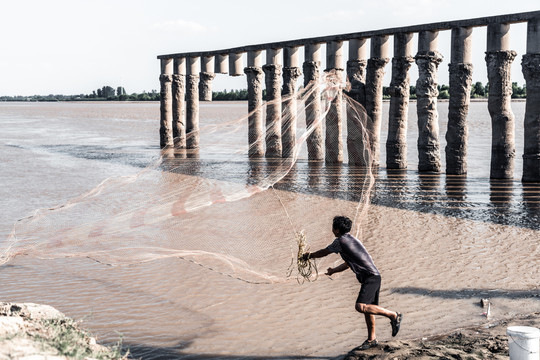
x=342, y=223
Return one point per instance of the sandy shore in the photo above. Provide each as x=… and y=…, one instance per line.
x=486, y=342
x=32, y=331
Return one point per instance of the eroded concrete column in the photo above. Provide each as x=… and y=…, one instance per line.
x=179, y=106
x=396, y=143
x=165, y=80
x=460, y=69
x=291, y=72
x=428, y=60
x=334, y=116
x=192, y=103
x=206, y=77
x=254, y=74
x=272, y=70
x=530, y=65
x=374, y=92
x=311, y=67
x=356, y=75
x=498, y=59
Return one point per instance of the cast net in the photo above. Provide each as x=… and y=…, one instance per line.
x=244, y=217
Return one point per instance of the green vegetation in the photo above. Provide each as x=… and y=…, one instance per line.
x=69, y=340
x=108, y=93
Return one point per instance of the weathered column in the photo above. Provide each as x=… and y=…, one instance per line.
x=499, y=59
x=291, y=72
x=254, y=76
x=396, y=143
x=428, y=60
x=272, y=71
x=192, y=103
x=460, y=68
x=179, y=93
x=531, y=70
x=311, y=67
x=374, y=92
x=334, y=116
x=356, y=75
x=206, y=77
x=165, y=79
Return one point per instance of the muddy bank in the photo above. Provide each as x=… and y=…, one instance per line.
x=41, y=332
x=485, y=342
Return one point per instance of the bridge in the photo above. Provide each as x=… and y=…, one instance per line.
x=186, y=79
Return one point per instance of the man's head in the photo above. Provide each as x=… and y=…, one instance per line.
x=341, y=225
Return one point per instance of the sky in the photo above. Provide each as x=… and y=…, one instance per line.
x=76, y=46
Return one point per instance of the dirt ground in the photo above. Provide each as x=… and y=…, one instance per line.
x=486, y=342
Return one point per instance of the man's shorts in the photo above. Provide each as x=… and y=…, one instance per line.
x=369, y=292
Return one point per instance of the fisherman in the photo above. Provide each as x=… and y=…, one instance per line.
x=360, y=262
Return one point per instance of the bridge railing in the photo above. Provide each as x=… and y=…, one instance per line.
x=186, y=78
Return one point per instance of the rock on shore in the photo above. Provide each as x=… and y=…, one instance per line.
x=32, y=331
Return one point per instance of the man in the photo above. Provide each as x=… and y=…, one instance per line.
x=360, y=262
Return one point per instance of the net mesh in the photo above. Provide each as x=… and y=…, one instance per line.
x=216, y=206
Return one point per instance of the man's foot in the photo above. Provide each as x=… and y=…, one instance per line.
x=396, y=323
x=369, y=344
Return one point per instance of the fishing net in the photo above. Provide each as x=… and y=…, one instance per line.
x=244, y=217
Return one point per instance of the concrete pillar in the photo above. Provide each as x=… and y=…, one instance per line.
x=428, y=60
x=221, y=64
x=206, y=77
x=530, y=65
x=374, y=92
x=254, y=74
x=498, y=59
x=334, y=116
x=356, y=76
x=192, y=103
x=291, y=72
x=165, y=80
x=236, y=66
x=272, y=70
x=179, y=106
x=311, y=67
x=396, y=143
x=460, y=69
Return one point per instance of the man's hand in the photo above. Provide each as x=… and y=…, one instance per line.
x=330, y=271
x=306, y=256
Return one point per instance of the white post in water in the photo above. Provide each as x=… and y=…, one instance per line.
x=254, y=76
x=334, y=117
x=206, y=77
x=356, y=73
x=428, y=60
x=166, y=118
x=311, y=67
x=272, y=71
x=374, y=92
x=396, y=143
x=291, y=72
x=192, y=103
x=499, y=59
x=531, y=70
x=179, y=93
x=460, y=68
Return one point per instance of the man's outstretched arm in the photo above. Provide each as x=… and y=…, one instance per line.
x=317, y=254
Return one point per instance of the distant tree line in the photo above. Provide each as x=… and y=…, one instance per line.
x=108, y=93
x=105, y=93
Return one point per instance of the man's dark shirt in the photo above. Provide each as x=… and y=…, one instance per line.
x=355, y=255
